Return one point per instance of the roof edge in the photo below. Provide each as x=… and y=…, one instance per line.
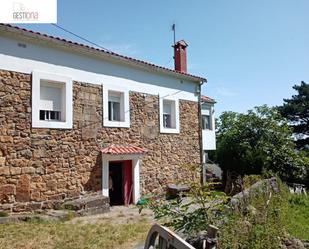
x=82, y=48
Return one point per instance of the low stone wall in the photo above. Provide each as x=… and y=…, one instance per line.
x=42, y=166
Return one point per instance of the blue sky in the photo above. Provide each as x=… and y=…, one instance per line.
x=251, y=52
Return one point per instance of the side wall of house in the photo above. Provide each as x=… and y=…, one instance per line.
x=41, y=166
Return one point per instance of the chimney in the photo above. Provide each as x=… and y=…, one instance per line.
x=180, y=56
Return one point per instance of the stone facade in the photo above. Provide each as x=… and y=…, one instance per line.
x=42, y=166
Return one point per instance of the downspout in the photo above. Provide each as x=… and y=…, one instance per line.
x=202, y=172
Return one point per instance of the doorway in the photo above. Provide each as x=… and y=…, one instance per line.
x=120, y=182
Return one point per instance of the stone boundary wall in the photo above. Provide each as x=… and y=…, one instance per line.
x=48, y=165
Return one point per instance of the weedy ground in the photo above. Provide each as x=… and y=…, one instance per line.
x=107, y=231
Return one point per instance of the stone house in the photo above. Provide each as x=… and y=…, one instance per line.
x=74, y=119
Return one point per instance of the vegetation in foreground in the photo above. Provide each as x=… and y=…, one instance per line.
x=65, y=235
x=264, y=220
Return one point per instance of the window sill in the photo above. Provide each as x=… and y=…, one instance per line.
x=169, y=130
x=115, y=124
x=52, y=124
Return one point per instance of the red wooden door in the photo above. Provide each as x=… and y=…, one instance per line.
x=127, y=182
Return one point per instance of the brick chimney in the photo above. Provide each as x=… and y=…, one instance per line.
x=180, y=56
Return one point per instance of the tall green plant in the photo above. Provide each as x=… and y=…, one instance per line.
x=191, y=214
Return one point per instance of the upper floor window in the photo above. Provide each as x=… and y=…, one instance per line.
x=206, y=122
x=116, y=111
x=51, y=98
x=169, y=116
x=51, y=101
x=115, y=104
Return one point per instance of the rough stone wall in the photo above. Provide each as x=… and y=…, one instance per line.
x=41, y=166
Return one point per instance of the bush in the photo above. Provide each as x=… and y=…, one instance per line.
x=193, y=214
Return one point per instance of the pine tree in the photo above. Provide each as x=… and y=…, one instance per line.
x=296, y=111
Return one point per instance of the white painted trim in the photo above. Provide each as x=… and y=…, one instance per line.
x=209, y=135
x=105, y=176
x=37, y=77
x=175, y=130
x=126, y=107
x=16, y=64
x=135, y=173
x=136, y=180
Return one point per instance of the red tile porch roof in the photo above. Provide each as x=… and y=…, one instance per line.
x=207, y=99
x=123, y=150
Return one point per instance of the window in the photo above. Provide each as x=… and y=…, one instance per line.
x=116, y=111
x=114, y=103
x=206, y=122
x=50, y=115
x=207, y=117
x=169, y=116
x=51, y=101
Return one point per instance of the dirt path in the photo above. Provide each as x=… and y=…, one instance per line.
x=118, y=215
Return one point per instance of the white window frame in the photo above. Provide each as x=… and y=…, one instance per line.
x=209, y=120
x=124, y=108
x=175, y=130
x=37, y=78
x=208, y=110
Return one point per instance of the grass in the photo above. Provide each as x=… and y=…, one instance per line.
x=66, y=235
x=265, y=225
x=296, y=220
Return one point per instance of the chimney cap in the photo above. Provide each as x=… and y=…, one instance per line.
x=182, y=43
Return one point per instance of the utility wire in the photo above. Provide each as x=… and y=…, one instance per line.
x=168, y=95
x=80, y=37
x=95, y=44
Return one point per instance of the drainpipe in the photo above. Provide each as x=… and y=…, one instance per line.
x=202, y=171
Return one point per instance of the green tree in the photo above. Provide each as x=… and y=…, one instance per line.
x=296, y=111
x=259, y=140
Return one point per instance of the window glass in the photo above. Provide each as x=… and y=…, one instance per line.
x=50, y=115
x=51, y=95
x=169, y=118
x=114, y=104
x=167, y=121
x=206, y=122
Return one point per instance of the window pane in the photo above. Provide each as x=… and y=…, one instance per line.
x=206, y=122
x=169, y=114
x=110, y=111
x=47, y=116
x=42, y=115
x=167, y=121
x=167, y=107
x=52, y=115
x=114, y=98
x=116, y=111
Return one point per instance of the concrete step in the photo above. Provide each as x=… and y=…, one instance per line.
x=88, y=205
